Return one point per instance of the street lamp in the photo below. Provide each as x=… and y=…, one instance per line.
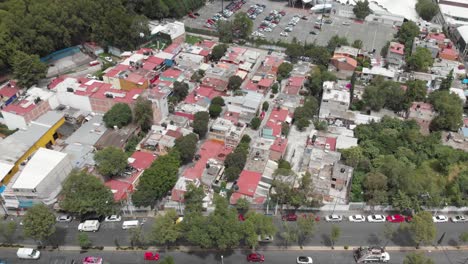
x=222, y=259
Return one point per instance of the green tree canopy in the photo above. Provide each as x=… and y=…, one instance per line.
x=84, y=193
x=420, y=60
x=200, y=123
x=186, y=146
x=39, y=223
x=335, y=42
x=295, y=50
x=180, y=91
x=357, y=43
x=215, y=110
x=283, y=70
x=426, y=9
x=242, y=25
x=361, y=9
x=218, y=100
x=408, y=31
x=119, y=115
x=447, y=81
x=265, y=106
x=318, y=55
x=143, y=113
x=157, y=180
x=27, y=69
x=450, y=110
x=165, y=230
x=110, y=161
x=416, y=91
x=417, y=258
x=219, y=51
x=316, y=79
x=234, y=83
x=255, y=123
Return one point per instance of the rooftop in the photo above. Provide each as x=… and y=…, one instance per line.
x=347, y=50
x=279, y=145
x=26, y=103
x=89, y=132
x=141, y=160
x=210, y=149
x=8, y=90
x=397, y=48
x=247, y=183
x=38, y=167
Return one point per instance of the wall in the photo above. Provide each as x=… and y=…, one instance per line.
x=14, y=121
x=54, y=180
x=115, y=82
x=75, y=101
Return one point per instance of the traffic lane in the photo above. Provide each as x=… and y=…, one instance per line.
x=231, y=257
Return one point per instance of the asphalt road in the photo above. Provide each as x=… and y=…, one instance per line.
x=234, y=257
x=352, y=234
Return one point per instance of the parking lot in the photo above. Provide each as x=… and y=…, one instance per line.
x=374, y=36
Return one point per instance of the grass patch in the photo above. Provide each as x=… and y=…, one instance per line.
x=190, y=39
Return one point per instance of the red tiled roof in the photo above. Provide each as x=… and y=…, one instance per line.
x=209, y=149
x=248, y=182
x=397, y=48
x=8, y=92
x=279, y=145
x=447, y=51
x=251, y=86
x=18, y=109
x=275, y=120
x=171, y=73
x=421, y=106
x=143, y=50
x=267, y=82
x=174, y=134
x=149, y=66
x=116, y=70
x=135, y=78
x=273, y=61
x=155, y=60
x=143, y=160
x=127, y=98
x=171, y=48
x=331, y=141
x=119, y=189
x=232, y=116
x=348, y=60
x=296, y=81
x=207, y=44
x=436, y=36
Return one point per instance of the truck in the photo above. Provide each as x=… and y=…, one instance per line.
x=28, y=253
x=371, y=255
x=89, y=226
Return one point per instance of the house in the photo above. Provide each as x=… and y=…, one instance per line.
x=422, y=113
x=93, y=48
x=189, y=61
x=448, y=53
x=369, y=74
x=272, y=128
x=429, y=44
x=28, y=107
x=278, y=148
x=128, y=77
x=225, y=131
x=218, y=76
x=247, y=186
x=294, y=85
x=346, y=51
x=19, y=146
x=335, y=99
x=39, y=181
x=160, y=104
x=116, y=137
x=8, y=93
x=246, y=105
x=396, y=54
x=342, y=66
x=175, y=31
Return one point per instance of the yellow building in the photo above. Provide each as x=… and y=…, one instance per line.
x=19, y=147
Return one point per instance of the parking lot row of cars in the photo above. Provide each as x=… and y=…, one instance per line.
x=255, y=10
x=377, y=218
x=269, y=23
x=227, y=12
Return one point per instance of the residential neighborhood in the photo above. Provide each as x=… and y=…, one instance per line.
x=200, y=127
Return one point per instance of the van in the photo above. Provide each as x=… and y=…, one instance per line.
x=89, y=226
x=28, y=253
x=130, y=224
x=93, y=63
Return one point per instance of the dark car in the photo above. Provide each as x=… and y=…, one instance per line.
x=92, y=216
x=313, y=33
x=289, y=217
x=196, y=14
x=255, y=257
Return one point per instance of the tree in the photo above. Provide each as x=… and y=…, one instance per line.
x=336, y=41
x=27, y=69
x=361, y=10
x=265, y=106
x=83, y=193
x=416, y=91
x=232, y=173
x=335, y=234
x=137, y=237
x=274, y=88
x=316, y=79
x=242, y=204
x=417, y=258
x=143, y=113
x=283, y=70
x=449, y=109
x=197, y=76
x=110, y=161
x=157, y=180
x=427, y=9
x=215, y=110
x=180, y=91
x=285, y=129
x=373, y=97
x=422, y=228
x=302, y=123
x=165, y=231
x=408, y=31
x=257, y=226
x=193, y=198
x=39, y=223
x=7, y=230
x=306, y=229
x=234, y=83
x=84, y=241
x=245, y=139
x=420, y=60
x=242, y=25
x=289, y=233
x=200, y=123
x=255, y=123
x=168, y=260
x=119, y=115
x=447, y=81
x=219, y=51
x=294, y=50
x=384, y=50
x=318, y=55
x=186, y=146
x=225, y=30
x=357, y=43
x=218, y=100
x=463, y=237
x=223, y=225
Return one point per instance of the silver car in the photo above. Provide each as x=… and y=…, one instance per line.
x=333, y=218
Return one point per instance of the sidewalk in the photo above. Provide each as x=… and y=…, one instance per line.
x=267, y=248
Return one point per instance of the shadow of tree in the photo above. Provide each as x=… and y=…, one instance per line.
x=326, y=240
x=403, y=237
x=374, y=239
x=453, y=242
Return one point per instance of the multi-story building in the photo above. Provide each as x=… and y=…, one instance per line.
x=334, y=99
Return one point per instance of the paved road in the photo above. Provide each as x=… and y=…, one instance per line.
x=351, y=234
x=234, y=257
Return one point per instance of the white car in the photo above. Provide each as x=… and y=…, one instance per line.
x=304, y=260
x=288, y=29
x=376, y=218
x=113, y=218
x=268, y=29
x=440, y=218
x=346, y=23
x=333, y=218
x=109, y=59
x=357, y=218
x=64, y=218
x=459, y=219
x=284, y=34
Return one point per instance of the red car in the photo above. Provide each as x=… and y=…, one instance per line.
x=255, y=257
x=289, y=217
x=210, y=21
x=191, y=15
x=241, y=217
x=151, y=256
x=396, y=218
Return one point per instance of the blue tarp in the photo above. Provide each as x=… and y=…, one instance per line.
x=465, y=81
x=2, y=188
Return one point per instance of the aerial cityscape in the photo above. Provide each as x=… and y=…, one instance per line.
x=234, y=131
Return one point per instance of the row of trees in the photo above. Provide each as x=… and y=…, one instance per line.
x=395, y=164
x=239, y=28
x=121, y=115
x=216, y=107
x=235, y=161
x=159, y=9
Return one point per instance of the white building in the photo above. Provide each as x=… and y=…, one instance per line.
x=39, y=181
x=334, y=99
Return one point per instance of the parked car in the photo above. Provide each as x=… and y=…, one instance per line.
x=313, y=33
x=304, y=260
x=109, y=59
x=357, y=218
x=268, y=29
x=284, y=34
x=255, y=257
x=346, y=23
x=28, y=253
x=92, y=260
x=289, y=217
x=333, y=218
x=288, y=29
x=440, y=218
x=282, y=13
x=241, y=217
x=304, y=17
x=151, y=256
x=191, y=15
x=265, y=239
x=64, y=218
x=113, y=218
x=396, y=218
x=328, y=21
x=376, y=218
x=459, y=219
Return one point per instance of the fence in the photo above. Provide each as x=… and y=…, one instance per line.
x=60, y=54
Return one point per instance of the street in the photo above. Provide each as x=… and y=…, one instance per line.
x=233, y=257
